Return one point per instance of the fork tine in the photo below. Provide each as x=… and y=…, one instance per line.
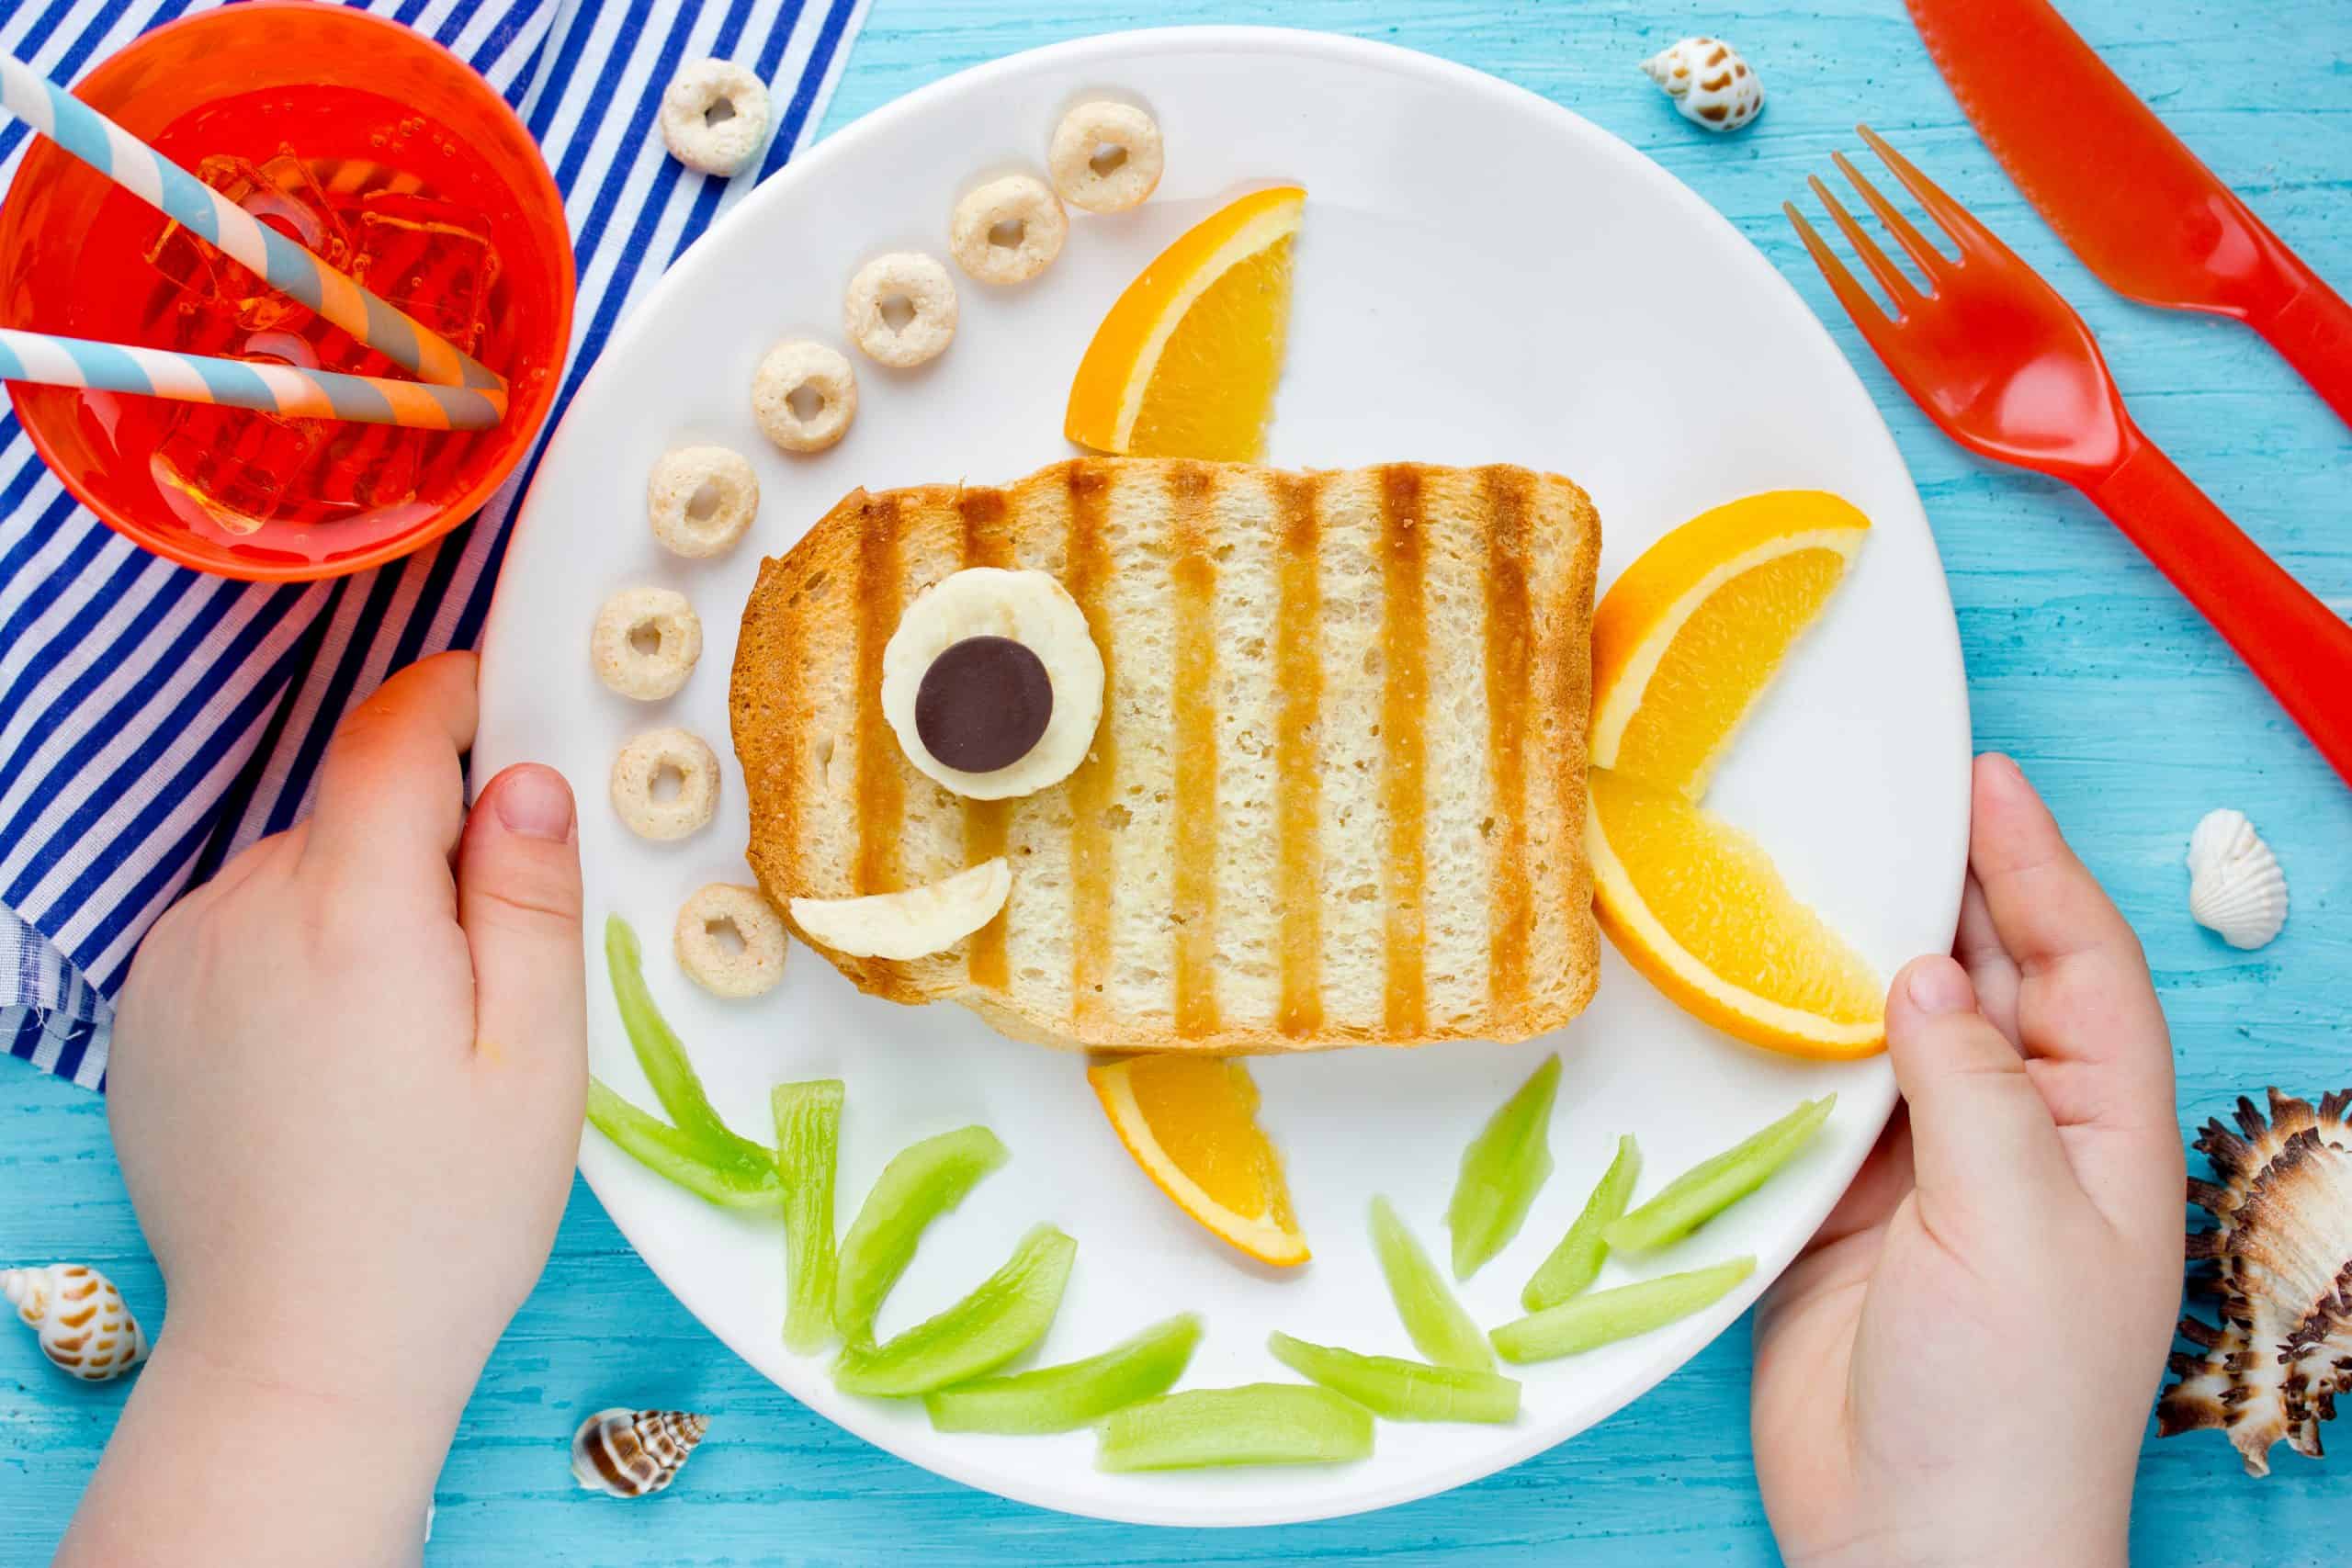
x=1868, y=316
x=1914, y=243
x=1950, y=216
x=1890, y=276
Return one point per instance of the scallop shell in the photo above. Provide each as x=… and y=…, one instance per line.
x=82, y=1325
x=2281, y=1352
x=1708, y=82
x=2235, y=887
x=629, y=1454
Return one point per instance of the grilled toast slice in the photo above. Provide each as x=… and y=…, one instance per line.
x=1337, y=793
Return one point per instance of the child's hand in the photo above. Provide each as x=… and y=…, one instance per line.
x=1960, y=1367
x=346, y=1091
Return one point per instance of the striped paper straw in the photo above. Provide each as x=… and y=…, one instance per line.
x=275, y=389
x=289, y=268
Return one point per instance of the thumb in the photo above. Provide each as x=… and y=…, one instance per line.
x=1982, y=1139
x=519, y=899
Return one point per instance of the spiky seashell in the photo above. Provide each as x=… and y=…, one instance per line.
x=2282, y=1257
x=2235, y=887
x=631, y=1452
x=1708, y=82
x=82, y=1325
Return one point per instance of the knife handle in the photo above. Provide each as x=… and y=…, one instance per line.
x=2301, y=648
x=2312, y=332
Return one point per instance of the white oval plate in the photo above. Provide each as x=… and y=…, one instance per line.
x=1482, y=277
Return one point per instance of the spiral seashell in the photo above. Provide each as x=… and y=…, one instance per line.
x=2280, y=1265
x=82, y=1325
x=2235, y=887
x=1709, y=82
x=629, y=1454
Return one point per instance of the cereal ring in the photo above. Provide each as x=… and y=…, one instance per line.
x=794, y=367
x=706, y=958
x=715, y=116
x=1107, y=156
x=643, y=762
x=623, y=661
x=1008, y=231
x=700, y=499
x=915, y=283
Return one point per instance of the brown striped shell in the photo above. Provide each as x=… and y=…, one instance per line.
x=84, y=1327
x=2281, y=1273
x=629, y=1454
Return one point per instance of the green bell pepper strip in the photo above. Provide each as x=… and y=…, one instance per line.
x=1006, y=1314
x=1398, y=1389
x=808, y=1142
x=1442, y=1331
x=1504, y=1168
x=675, y=1158
x=664, y=1059
x=920, y=1183
x=1603, y=1317
x=1074, y=1394
x=1707, y=1189
x=1262, y=1422
x=1575, y=1262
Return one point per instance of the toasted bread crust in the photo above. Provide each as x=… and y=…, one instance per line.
x=1371, y=687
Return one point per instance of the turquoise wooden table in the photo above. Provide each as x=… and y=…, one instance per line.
x=2128, y=714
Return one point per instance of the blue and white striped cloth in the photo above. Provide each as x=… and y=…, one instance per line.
x=154, y=721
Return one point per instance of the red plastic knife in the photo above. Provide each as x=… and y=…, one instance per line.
x=2135, y=204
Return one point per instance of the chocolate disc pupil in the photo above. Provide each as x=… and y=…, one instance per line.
x=983, y=704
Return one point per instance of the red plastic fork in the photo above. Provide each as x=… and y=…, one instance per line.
x=2005, y=368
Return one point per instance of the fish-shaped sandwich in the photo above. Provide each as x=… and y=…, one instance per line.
x=1170, y=755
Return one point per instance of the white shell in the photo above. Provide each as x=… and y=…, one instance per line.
x=2235, y=887
x=629, y=1453
x=82, y=1325
x=1709, y=82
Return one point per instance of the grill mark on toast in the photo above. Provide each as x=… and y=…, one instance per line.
x=1403, y=702
x=792, y=644
x=881, y=789
x=1091, y=784
x=981, y=512
x=1192, y=575
x=1298, y=793
x=1507, y=500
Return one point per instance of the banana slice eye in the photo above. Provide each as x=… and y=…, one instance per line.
x=992, y=683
